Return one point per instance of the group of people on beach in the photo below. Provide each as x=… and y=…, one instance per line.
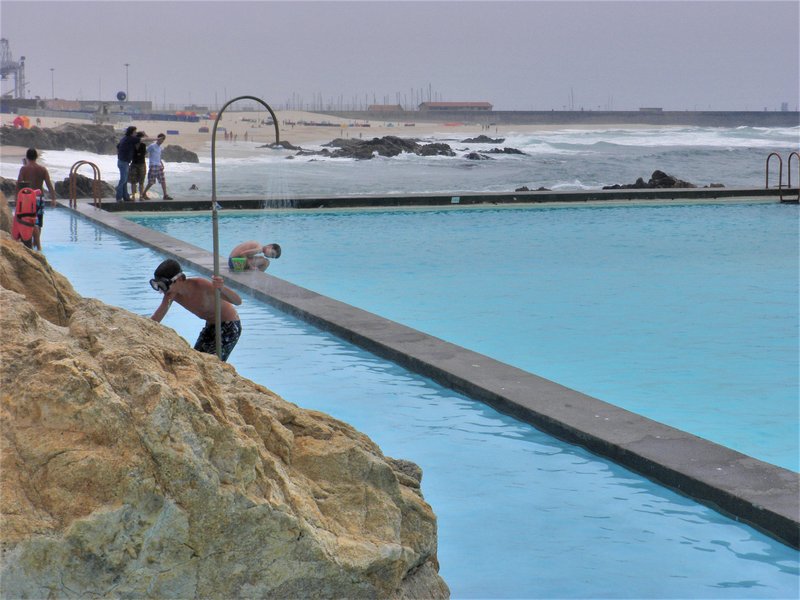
x=131, y=153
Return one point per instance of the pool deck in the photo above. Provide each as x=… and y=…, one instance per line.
x=749, y=490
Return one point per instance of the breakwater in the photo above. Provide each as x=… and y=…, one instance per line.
x=587, y=117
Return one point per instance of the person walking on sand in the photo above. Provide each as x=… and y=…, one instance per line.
x=250, y=251
x=138, y=169
x=196, y=295
x=124, y=157
x=35, y=176
x=156, y=172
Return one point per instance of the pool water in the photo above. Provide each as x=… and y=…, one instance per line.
x=521, y=515
x=684, y=313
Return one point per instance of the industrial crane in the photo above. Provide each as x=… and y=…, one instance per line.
x=8, y=66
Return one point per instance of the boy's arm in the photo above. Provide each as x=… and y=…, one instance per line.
x=225, y=292
x=162, y=309
x=50, y=187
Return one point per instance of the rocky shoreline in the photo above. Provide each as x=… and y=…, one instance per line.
x=99, y=139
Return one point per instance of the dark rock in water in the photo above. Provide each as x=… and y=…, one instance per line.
x=658, y=179
x=283, y=144
x=437, y=149
x=83, y=188
x=477, y=156
x=504, y=151
x=525, y=188
x=716, y=185
x=386, y=146
x=483, y=139
x=175, y=153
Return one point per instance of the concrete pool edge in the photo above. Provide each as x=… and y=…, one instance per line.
x=463, y=199
x=757, y=493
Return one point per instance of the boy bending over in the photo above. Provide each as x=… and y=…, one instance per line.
x=196, y=295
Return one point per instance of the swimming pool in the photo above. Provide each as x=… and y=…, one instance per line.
x=684, y=313
x=520, y=514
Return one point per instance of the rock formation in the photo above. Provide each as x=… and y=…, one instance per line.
x=99, y=139
x=658, y=179
x=83, y=188
x=389, y=145
x=133, y=466
x=175, y=153
x=483, y=139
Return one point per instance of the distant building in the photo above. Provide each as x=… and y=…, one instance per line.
x=384, y=108
x=462, y=106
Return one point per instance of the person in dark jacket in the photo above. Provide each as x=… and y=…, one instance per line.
x=138, y=168
x=125, y=150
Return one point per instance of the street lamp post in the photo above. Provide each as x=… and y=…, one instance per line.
x=52, y=85
x=127, y=93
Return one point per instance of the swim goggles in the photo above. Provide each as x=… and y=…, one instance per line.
x=162, y=284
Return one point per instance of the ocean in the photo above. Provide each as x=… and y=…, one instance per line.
x=567, y=159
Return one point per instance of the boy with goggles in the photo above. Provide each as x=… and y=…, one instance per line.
x=196, y=295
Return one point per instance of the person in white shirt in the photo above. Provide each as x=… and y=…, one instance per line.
x=156, y=171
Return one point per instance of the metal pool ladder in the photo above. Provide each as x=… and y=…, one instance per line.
x=793, y=155
x=73, y=187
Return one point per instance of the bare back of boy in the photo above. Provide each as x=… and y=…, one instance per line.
x=197, y=296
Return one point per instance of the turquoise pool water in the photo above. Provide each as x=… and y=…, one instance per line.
x=687, y=314
x=521, y=515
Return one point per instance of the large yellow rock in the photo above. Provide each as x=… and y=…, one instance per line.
x=133, y=466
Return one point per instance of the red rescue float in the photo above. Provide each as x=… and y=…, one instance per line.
x=24, y=216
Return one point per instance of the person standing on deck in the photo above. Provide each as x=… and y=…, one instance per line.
x=156, y=172
x=138, y=169
x=125, y=149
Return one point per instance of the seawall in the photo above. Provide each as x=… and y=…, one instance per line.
x=586, y=117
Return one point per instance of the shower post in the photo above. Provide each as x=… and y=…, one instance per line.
x=214, y=206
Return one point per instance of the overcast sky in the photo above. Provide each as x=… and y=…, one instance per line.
x=524, y=55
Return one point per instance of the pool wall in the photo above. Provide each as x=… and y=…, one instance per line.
x=760, y=494
x=788, y=195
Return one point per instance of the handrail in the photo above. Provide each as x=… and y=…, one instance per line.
x=73, y=187
x=789, y=173
x=780, y=170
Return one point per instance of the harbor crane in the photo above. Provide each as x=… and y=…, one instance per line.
x=9, y=66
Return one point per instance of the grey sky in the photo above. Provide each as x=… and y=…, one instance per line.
x=517, y=55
